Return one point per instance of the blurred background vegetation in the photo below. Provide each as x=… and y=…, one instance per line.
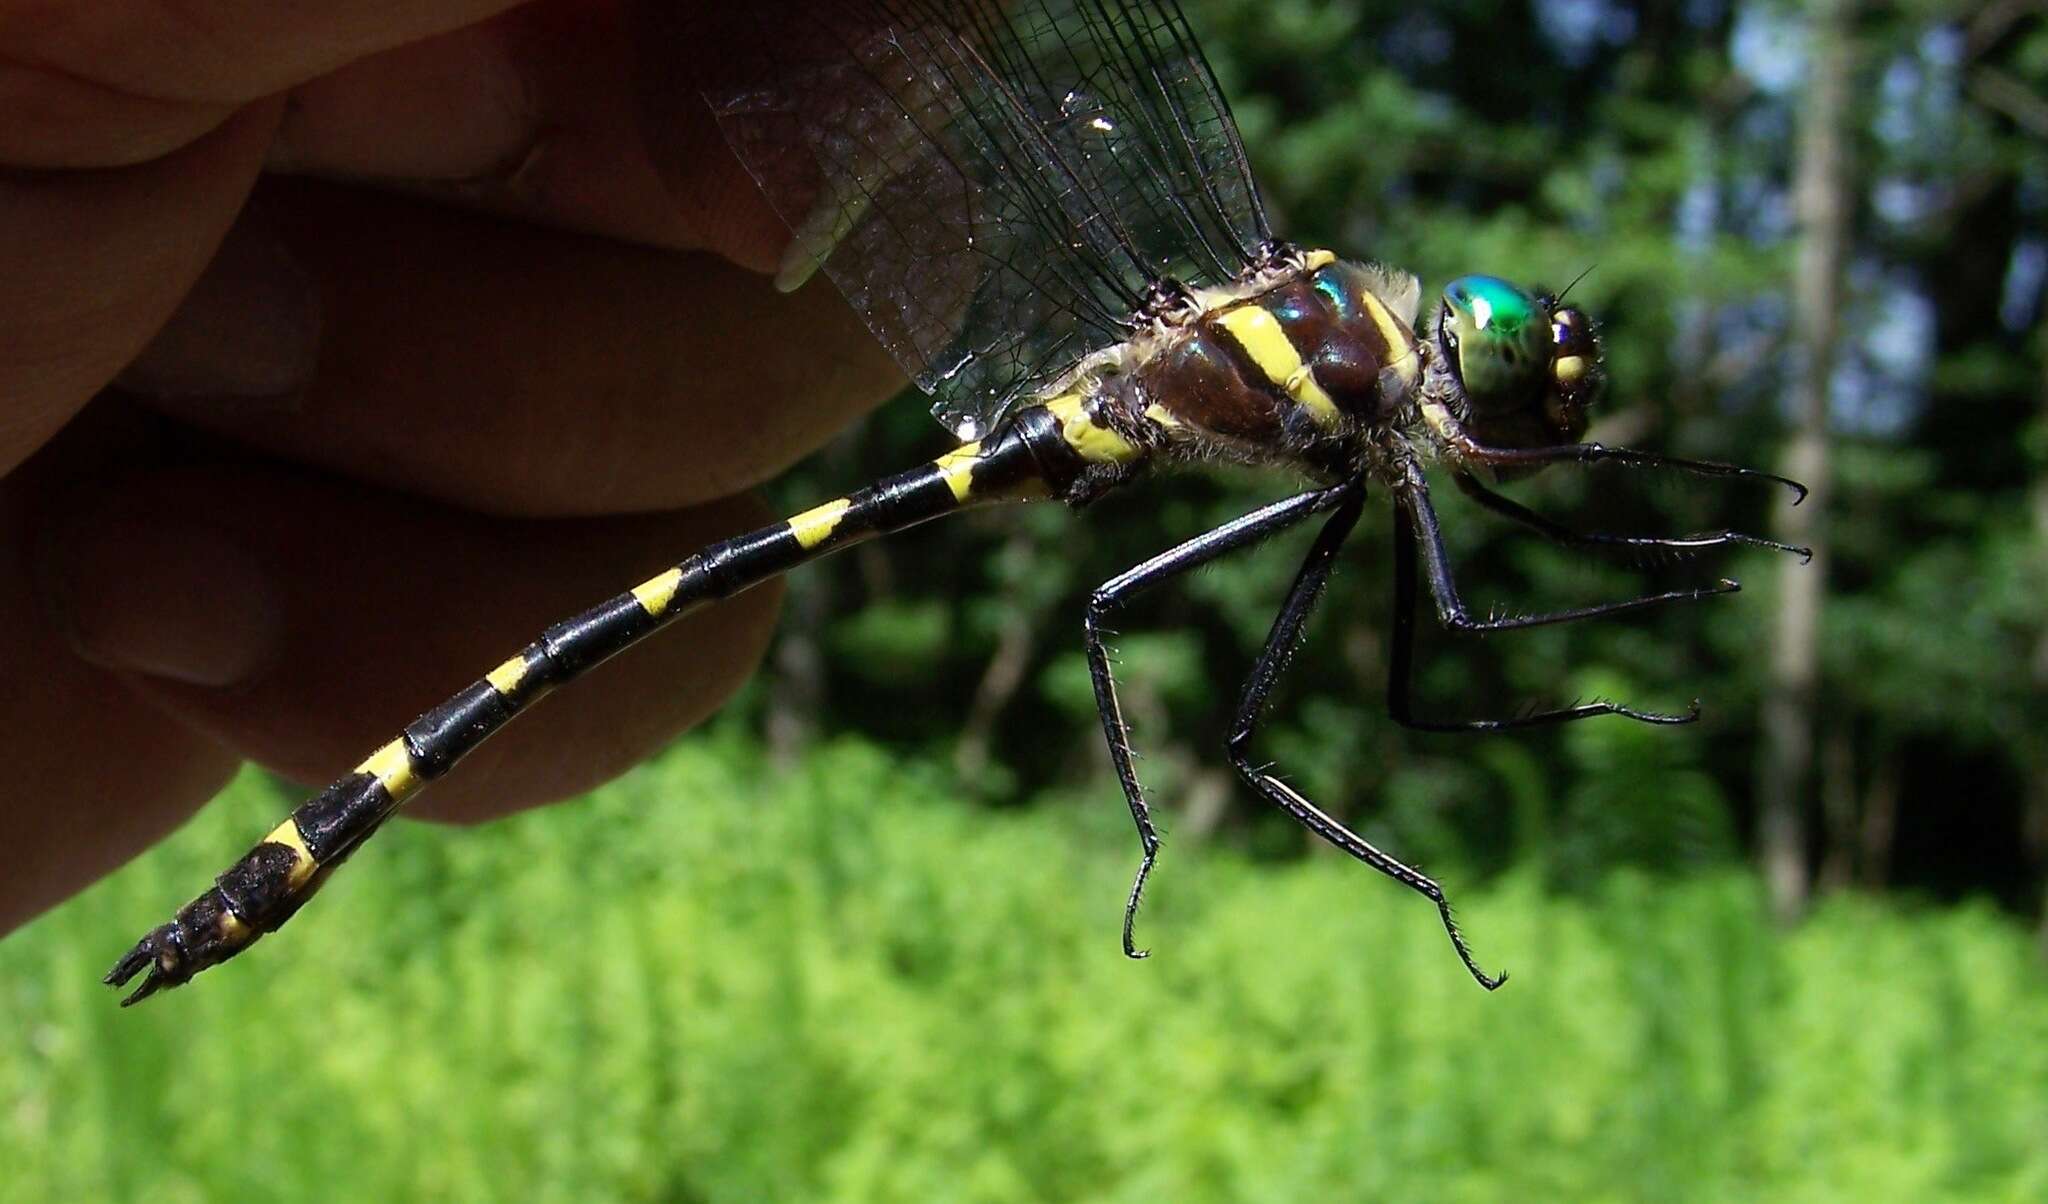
x=857, y=941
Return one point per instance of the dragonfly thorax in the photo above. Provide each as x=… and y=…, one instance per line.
x=1308, y=356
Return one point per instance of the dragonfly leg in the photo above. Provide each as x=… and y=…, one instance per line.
x=1401, y=669
x=1231, y=536
x=1416, y=528
x=1469, y=450
x=1676, y=545
x=1412, y=503
x=1266, y=671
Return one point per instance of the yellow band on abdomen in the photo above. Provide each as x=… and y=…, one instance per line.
x=392, y=766
x=815, y=526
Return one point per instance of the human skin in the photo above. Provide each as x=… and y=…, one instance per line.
x=342, y=348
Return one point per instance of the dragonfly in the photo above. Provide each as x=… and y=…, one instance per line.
x=1044, y=210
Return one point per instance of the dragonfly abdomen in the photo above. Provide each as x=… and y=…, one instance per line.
x=1062, y=448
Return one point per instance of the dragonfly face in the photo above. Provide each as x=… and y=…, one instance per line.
x=1527, y=366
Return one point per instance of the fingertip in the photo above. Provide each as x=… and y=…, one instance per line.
x=674, y=46
x=141, y=592
x=447, y=341
x=93, y=262
x=95, y=774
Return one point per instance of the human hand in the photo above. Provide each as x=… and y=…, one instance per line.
x=361, y=443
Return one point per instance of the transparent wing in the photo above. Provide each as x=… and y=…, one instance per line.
x=994, y=186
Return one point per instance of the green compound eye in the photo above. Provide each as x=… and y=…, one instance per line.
x=1500, y=337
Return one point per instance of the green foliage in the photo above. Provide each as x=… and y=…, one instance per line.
x=720, y=982
x=893, y=642
x=1474, y=137
x=713, y=983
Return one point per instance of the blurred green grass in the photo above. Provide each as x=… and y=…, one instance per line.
x=718, y=982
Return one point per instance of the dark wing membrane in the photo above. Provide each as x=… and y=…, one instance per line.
x=993, y=186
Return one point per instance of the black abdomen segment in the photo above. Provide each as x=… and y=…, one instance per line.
x=1042, y=451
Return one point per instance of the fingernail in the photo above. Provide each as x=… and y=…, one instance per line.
x=250, y=328
x=160, y=597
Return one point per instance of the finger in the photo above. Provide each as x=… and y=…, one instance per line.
x=529, y=112
x=94, y=774
x=94, y=261
x=302, y=621
x=125, y=81
x=528, y=371
x=534, y=114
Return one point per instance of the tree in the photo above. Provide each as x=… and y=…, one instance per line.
x=1822, y=201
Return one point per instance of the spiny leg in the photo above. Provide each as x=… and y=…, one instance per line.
x=1231, y=536
x=1411, y=497
x=1273, y=660
x=1549, y=528
x=1401, y=667
x=1466, y=448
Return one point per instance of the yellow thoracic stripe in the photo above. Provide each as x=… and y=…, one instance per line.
x=1403, y=360
x=814, y=527
x=1274, y=354
x=655, y=594
x=392, y=766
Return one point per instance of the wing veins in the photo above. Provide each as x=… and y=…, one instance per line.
x=995, y=184
x=1159, y=149
x=1032, y=182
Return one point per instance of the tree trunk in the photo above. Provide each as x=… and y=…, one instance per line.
x=1821, y=197
x=1880, y=820
x=2035, y=819
x=796, y=692
x=1007, y=666
x=1839, y=832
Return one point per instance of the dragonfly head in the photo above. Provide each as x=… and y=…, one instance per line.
x=1527, y=365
